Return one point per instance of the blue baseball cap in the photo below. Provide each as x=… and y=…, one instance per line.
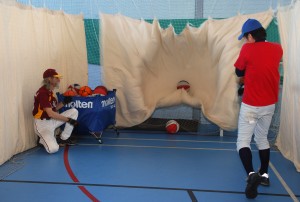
x=248, y=26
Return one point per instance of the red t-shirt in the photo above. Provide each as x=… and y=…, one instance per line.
x=43, y=99
x=260, y=60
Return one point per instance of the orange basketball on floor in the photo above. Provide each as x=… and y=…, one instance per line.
x=70, y=93
x=85, y=91
x=172, y=126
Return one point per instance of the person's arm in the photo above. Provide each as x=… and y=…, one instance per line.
x=241, y=63
x=239, y=73
x=240, y=70
x=67, y=100
x=59, y=106
x=241, y=81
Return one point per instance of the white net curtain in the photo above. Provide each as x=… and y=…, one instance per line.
x=288, y=140
x=32, y=40
x=145, y=63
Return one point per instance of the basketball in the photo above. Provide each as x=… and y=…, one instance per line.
x=100, y=90
x=85, y=91
x=172, y=126
x=70, y=93
x=183, y=85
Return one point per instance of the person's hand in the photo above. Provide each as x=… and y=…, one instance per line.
x=67, y=100
x=73, y=122
x=241, y=90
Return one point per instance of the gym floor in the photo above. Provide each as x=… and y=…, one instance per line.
x=139, y=166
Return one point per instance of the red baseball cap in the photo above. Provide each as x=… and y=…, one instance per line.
x=51, y=73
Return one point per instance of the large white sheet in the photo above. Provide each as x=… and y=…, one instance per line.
x=288, y=140
x=32, y=40
x=145, y=63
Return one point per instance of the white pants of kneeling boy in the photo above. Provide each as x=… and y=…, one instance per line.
x=45, y=130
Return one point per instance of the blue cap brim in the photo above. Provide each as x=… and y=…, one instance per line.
x=241, y=36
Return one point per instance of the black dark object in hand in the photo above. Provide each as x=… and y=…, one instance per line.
x=241, y=90
x=73, y=122
x=67, y=100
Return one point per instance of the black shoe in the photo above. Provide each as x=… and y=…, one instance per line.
x=265, y=181
x=63, y=143
x=253, y=181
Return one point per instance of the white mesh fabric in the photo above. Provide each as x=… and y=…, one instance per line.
x=32, y=40
x=288, y=139
x=145, y=63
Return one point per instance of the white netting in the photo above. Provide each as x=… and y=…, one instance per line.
x=168, y=9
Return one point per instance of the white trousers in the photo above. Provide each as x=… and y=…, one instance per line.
x=45, y=130
x=254, y=120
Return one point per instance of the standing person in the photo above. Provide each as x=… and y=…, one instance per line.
x=258, y=67
x=46, y=116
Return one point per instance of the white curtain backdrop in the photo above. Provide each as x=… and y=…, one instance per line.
x=145, y=63
x=32, y=40
x=288, y=140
